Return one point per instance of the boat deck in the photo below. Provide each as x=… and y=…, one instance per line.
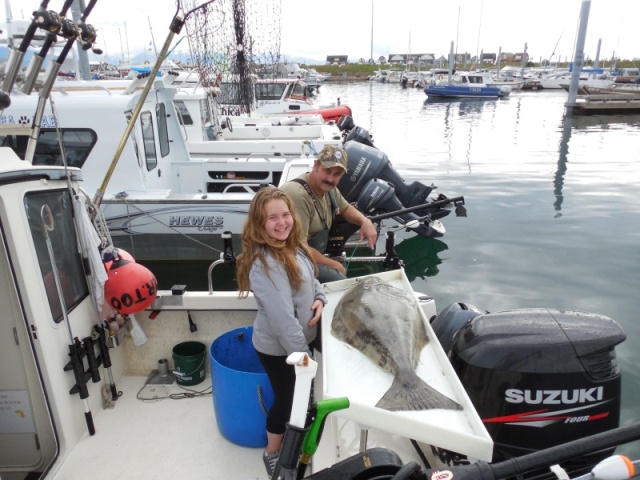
x=182, y=440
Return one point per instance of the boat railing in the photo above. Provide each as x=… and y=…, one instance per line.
x=253, y=156
x=226, y=257
x=246, y=187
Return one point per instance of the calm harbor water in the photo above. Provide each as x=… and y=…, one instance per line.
x=553, y=205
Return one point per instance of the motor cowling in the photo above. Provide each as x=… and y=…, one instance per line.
x=450, y=320
x=360, y=135
x=345, y=123
x=378, y=195
x=366, y=163
x=540, y=377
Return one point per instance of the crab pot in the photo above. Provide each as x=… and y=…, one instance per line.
x=242, y=394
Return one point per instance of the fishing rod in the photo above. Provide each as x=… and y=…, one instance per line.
x=458, y=201
x=82, y=221
x=339, y=235
x=17, y=54
x=174, y=29
x=615, y=467
x=75, y=347
x=53, y=23
x=86, y=34
x=542, y=458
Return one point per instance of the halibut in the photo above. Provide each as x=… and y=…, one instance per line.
x=382, y=322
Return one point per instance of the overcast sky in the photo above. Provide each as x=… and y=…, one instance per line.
x=315, y=29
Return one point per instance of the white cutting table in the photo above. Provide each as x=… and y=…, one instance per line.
x=346, y=372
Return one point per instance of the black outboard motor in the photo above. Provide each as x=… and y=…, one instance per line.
x=345, y=123
x=360, y=135
x=539, y=377
x=450, y=320
x=350, y=131
x=366, y=163
x=378, y=195
x=374, y=186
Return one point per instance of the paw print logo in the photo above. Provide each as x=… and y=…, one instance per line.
x=23, y=120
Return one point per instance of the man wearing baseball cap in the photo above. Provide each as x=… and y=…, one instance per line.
x=317, y=201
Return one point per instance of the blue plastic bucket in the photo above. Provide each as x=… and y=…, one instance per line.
x=242, y=393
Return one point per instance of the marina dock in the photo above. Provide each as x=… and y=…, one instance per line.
x=606, y=103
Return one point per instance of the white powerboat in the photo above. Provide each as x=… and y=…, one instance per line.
x=88, y=391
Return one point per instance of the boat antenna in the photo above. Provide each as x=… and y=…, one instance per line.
x=174, y=29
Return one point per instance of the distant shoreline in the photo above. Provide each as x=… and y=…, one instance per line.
x=347, y=78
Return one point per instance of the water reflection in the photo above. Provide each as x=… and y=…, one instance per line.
x=420, y=256
x=585, y=123
x=472, y=106
x=457, y=111
x=604, y=123
x=561, y=168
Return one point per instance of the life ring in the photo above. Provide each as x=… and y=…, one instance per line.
x=440, y=77
x=229, y=126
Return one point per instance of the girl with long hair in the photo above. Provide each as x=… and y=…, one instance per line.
x=276, y=265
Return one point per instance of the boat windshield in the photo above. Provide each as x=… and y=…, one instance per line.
x=270, y=91
x=77, y=143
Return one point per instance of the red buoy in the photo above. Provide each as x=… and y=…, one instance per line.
x=130, y=287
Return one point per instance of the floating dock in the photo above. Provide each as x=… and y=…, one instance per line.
x=605, y=102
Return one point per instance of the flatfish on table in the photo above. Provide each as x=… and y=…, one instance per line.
x=383, y=323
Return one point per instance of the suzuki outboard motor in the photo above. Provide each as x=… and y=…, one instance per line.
x=366, y=163
x=539, y=377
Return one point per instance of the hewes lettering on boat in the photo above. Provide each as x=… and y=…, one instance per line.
x=554, y=397
x=212, y=222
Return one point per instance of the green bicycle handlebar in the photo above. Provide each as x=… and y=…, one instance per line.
x=322, y=409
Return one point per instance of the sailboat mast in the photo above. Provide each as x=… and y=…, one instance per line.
x=479, y=60
x=121, y=47
x=457, y=35
x=153, y=40
x=371, y=57
x=406, y=63
x=126, y=39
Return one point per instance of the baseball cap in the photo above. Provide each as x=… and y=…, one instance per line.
x=333, y=156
